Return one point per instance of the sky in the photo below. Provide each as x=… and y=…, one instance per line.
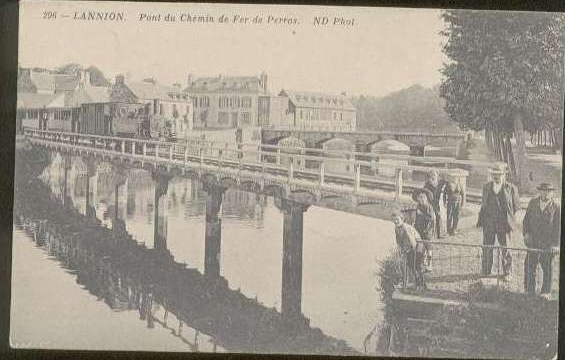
x=385, y=50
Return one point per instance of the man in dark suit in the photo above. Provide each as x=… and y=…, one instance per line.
x=500, y=202
x=542, y=225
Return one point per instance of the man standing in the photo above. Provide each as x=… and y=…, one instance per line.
x=500, y=202
x=436, y=187
x=542, y=224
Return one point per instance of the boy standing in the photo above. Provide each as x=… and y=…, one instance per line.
x=412, y=252
x=453, y=200
x=425, y=222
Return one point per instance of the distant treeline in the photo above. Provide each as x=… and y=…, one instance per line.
x=412, y=109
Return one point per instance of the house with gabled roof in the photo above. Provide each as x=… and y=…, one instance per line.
x=320, y=112
x=169, y=102
x=52, y=101
x=225, y=102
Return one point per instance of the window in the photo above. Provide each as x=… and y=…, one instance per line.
x=195, y=102
x=140, y=111
x=246, y=101
x=223, y=118
x=175, y=111
x=246, y=118
x=187, y=109
x=223, y=102
x=161, y=109
x=204, y=101
x=234, y=101
x=301, y=114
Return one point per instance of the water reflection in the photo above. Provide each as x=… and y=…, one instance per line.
x=338, y=268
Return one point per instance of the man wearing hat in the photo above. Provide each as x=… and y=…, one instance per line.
x=542, y=225
x=500, y=202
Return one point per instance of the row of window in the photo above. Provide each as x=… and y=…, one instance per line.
x=224, y=118
x=317, y=114
x=224, y=101
x=57, y=114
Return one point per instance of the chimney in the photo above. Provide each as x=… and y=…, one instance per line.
x=264, y=82
x=120, y=79
x=343, y=93
x=190, y=79
x=85, y=78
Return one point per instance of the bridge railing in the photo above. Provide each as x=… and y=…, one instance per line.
x=345, y=170
x=457, y=267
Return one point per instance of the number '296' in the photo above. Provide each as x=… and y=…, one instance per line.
x=49, y=15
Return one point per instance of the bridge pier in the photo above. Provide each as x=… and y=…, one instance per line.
x=120, y=199
x=66, y=170
x=161, y=211
x=213, y=237
x=91, y=188
x=291, y=292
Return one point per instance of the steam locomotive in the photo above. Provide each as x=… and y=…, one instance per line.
x=130, y=120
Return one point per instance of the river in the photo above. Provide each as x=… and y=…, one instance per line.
x=340, y=259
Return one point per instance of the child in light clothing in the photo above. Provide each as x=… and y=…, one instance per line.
x=406, y=240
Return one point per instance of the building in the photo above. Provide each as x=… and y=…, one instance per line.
x=318, y=112
x=168, y=102
x=49, y=83
x=226, y=101
x=52, y=101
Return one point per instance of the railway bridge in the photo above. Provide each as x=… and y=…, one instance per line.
x=361, y=141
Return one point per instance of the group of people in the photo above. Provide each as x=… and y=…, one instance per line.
x=428, y=222
x=541, y=228
x=497, y=217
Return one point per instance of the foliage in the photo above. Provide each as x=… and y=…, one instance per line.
x=413, y=108
x=96, y=76
x=69, y=69
x=503, y=64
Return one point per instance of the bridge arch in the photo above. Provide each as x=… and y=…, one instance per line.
x=291, y=145
x=389, y=146
x=338, y=144
x=274, y=190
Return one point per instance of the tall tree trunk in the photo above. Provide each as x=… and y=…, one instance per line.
x=510, y=159
x=521, y=166
x=488, y=138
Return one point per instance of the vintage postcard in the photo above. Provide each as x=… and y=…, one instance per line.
x=288, y=179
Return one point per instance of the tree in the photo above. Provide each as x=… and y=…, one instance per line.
x=69, y=69
x=97, y=78
x=415, y=108
x=504, y=76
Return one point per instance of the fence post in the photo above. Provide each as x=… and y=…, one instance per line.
x=133, y=147
x=278, y=155
x=123, y=145
x=357, y=173
x=322, y=172
x=144, y=148
x=201, y=157
x=157, y=150
x=186, y=154
x=290, y=171
x=398, y=185
x=171, y=153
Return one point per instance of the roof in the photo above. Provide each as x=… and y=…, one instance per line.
x=54, y=82
x=91, y=94
x=225, y=84
x=36, y=101
x=148, y=90
x=318, y=100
